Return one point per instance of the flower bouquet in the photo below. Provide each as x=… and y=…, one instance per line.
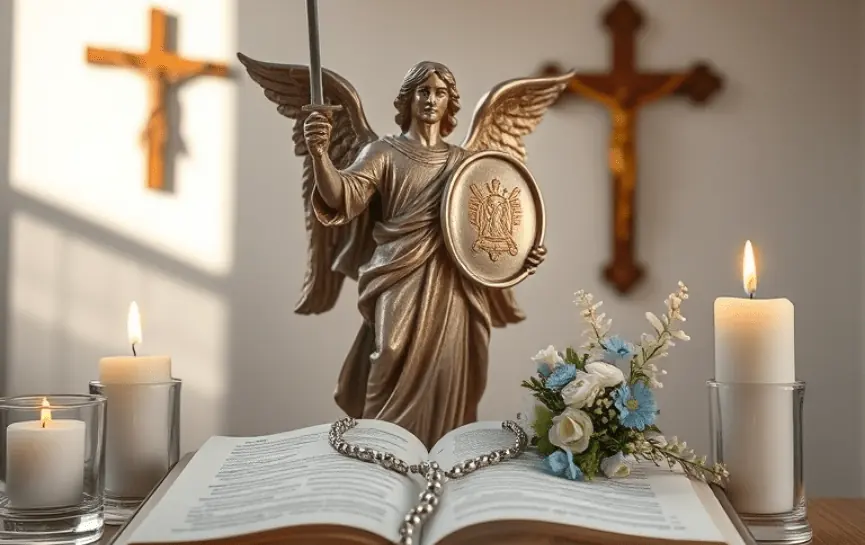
x=590, y=417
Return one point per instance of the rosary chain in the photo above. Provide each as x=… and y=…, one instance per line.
x=434, y=475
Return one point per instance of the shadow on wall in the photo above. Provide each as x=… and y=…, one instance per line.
x=64, y=276
x=5, y=204
x=251, y=366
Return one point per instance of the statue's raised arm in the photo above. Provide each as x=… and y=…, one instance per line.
x=335, y=251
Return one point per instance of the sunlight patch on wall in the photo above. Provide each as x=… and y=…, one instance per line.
x=76, y=128
x=69, y=299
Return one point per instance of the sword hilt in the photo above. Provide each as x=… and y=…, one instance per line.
x=326, y=109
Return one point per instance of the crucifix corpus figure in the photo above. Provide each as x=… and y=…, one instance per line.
x=623, y=91
x=162, y=68
x=401, y=215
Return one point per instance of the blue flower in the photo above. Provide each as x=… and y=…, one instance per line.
x=561, y=463
x=636, y=405
x=618, y=349
x=561, y=376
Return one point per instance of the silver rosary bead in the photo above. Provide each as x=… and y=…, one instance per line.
x=428, y=499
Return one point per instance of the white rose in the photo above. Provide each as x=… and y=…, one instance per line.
x=582, y=391
x=547, y=360
x=608, y=375
x=615, y=466
x=572, y=430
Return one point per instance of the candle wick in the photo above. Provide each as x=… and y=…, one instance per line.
x=751, y=295
x=134, y=353
x=43, y=423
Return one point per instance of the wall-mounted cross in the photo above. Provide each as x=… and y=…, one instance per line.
x=623, y=90
x=162, y=68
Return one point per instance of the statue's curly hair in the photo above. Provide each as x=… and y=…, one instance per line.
x=416, y=75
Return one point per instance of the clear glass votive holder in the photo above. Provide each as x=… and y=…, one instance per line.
x=756, y=431
x=53, y=469
x=142, y=442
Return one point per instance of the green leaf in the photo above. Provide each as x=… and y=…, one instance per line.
x=543, y=421
x=545, y=447
x=575, y=358
x=589, y=460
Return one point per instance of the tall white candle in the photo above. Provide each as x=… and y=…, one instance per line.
x=137, y=417
x=755, y=344
x=45, y=462
x=134, y=369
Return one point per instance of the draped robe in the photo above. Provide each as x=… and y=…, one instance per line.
x=420, y=358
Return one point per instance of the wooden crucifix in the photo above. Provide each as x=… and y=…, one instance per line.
x=623, y=90
x=162, y=68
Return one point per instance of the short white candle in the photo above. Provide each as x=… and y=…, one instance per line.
x=755, y=344
x=45, y=462
x=137, y=418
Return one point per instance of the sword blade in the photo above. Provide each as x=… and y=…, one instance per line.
x=315, y=88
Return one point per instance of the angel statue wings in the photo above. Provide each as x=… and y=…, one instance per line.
x=373, y=207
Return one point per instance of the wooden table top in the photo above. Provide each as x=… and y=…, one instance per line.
x=836, y=521
x=108, y=534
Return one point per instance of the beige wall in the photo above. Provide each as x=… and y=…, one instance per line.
x=774, y=158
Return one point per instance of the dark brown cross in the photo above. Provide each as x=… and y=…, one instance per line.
x=162, y=68
x=623, y=90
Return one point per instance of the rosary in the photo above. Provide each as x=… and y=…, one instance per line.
x=434, y=475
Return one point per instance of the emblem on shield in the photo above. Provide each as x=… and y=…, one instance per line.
x=495, y=212
x=492, y=216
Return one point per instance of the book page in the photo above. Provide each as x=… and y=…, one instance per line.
x=235, y=486
x=652, y=502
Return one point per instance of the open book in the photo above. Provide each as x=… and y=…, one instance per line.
x=294, y=488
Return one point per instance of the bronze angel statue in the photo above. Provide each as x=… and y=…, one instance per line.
x=373, y=215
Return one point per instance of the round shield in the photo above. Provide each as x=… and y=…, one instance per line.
x=492, y=216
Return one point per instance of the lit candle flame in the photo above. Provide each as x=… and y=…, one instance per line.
x=45, y=413
x=133, y=325
x=749, y=270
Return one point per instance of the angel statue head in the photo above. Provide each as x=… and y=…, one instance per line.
x=428, y=94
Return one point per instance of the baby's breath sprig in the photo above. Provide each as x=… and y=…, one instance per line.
x=657, y=449
x=654, y=347
x=599, y=324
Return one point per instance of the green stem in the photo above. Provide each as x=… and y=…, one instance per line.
x=694, y=465
x=597, y=333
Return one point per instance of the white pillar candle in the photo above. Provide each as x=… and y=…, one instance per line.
x=755, y=344
x=138, y=417
x=45, y=462
x=134, y=369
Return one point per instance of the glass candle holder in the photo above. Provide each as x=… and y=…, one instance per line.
x=142, y=441
x=53, y=469
x=756, y=431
